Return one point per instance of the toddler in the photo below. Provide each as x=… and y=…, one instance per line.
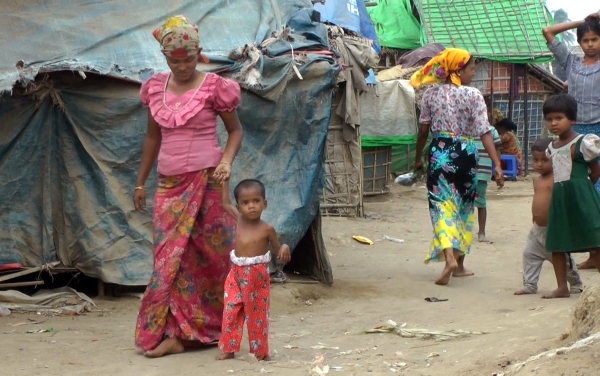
x=247, y=284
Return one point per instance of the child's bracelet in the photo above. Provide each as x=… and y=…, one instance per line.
x=140, y=188
x=225, y=163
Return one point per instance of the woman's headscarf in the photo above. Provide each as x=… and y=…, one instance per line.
x=445, y=64
x=179, y=38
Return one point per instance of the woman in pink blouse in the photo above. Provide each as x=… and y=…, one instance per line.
x=193, y=235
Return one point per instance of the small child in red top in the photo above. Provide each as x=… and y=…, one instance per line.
x=247, y=284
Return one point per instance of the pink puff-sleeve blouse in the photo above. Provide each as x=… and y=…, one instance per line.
x=188, y=123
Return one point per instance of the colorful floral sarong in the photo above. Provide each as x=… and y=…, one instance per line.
x=193, y=236
x=593, y=129
x=451, y=184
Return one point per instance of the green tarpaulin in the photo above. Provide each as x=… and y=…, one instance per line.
x=395, y=25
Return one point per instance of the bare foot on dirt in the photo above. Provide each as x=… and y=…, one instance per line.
x=523, y=292
x=462, y=272
x=225, y=356
x=558, y=293
x=265, y=358
x=166, y=347
x=482, y=238
x=587, y=264
x=446, y=273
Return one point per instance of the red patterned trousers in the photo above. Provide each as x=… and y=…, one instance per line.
x=246, y=299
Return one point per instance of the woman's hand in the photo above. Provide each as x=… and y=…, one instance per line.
x=499, y=175
x=222, y=173
x=139, y=200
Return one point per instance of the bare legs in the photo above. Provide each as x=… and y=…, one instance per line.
x=559, y=261
x=590, y=263
x=481, y=219
x=461, y=271
x=451, y=266
x=166, y=347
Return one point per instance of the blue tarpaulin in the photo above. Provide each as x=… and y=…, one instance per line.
x=351, y=15
x=70, y=146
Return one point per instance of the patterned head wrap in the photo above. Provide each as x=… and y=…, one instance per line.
x=179, y=38
x=445, y=64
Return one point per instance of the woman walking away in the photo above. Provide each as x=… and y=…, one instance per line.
x=455, y=114
x=193, y=235
x=583, y=77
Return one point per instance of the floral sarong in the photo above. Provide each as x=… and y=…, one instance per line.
x=451, y=184
x=193, y=236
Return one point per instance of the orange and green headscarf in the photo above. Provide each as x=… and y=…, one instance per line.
x=179, y=38
x=444, y=65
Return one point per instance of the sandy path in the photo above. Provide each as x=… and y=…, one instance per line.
x=373, y=284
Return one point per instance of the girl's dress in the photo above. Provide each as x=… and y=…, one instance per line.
x=574, y=217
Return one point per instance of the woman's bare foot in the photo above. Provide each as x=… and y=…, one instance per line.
x=446, y=273
x=266, y=358
x=166, y=347
x=225, y=356
x=462, y=272
x=523, y=292
x=482, y=238
x=587, y=264
x=558, y=293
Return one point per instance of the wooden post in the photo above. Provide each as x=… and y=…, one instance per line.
x=525, y=150
x=510, y=87
x=491, y=110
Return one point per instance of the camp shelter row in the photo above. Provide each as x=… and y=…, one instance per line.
x=504, y=35
x=73, y=125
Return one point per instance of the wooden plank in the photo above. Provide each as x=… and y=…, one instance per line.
x=21, y=273
x=20, y=284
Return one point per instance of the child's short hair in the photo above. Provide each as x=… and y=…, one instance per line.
x=541, y=145
x=249, y=183
x=562, y=103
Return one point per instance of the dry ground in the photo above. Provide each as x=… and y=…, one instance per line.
x=373, y=284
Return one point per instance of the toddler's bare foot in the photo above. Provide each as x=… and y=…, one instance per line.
x=446, y=273
x=225, y=356
x=166, y=347
x=587, y=264
x=482, y=238
x=462, y=272
x=523, y=292
x=558, y=293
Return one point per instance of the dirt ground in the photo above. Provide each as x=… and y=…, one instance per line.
x=373, y=284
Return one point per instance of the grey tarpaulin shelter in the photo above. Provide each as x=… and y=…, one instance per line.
x=71, y=128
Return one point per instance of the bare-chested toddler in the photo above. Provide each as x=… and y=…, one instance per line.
x=248, y=282
x=535, y=252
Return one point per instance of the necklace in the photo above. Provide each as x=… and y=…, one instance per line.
x=177, y=105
